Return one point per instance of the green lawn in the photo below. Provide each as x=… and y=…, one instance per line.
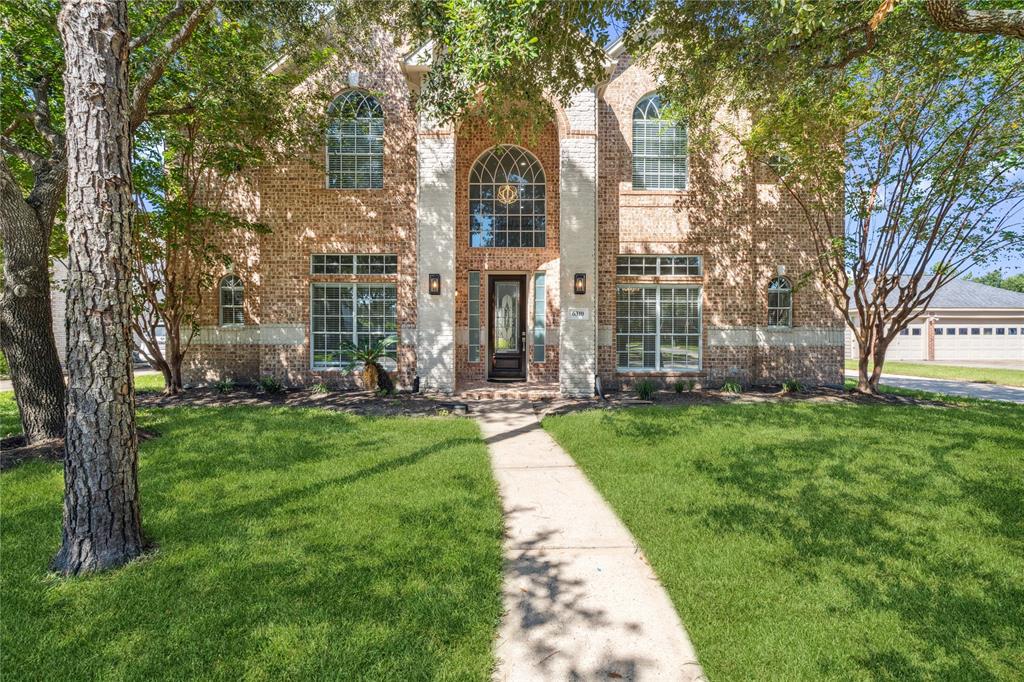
x=10, y=422
x=292, y=544
x=986, y=375
x=808, y=541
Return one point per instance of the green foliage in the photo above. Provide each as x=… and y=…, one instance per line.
x=995, y=279
x=732, y=387
x=320, y=387
x=5, y=369
x=225, y=385
x=644, y=389
x=683, y=385
x=271, y=385
x=792, y=386
x=507, y=61
x=369, y=547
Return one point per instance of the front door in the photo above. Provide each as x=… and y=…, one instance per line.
x=506, y=337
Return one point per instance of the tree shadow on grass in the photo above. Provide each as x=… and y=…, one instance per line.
x=917, y=513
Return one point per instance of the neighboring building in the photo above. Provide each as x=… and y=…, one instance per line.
x=966, y=321
x=601, y=247
x=58, y=306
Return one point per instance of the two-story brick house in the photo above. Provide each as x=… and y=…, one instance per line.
x=599, y=248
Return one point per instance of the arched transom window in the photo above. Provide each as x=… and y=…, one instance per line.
x=355, y=142
x=232, y=298
x=659, y=148
x=780, y=303
x=507, y=199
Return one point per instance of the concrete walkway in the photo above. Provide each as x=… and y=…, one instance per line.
x=951, y=387
x=581, y=602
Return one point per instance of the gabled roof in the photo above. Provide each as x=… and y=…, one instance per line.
x=964, y=294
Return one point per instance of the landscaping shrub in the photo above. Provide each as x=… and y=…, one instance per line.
x=681, y=386
x=732, y=387
x=644, y=389
x=225, y=385
x=320, y=387
x=792, y=386
x=271, y=385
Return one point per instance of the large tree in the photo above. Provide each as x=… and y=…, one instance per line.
x=900, y=139
x=33, y=176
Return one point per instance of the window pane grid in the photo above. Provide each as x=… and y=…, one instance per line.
x=651, y=266
x=507, y=202
x=539, y=313
x=232, y=299
x=658, y=328
x=348, y=264
x=780, y=303
x=344, y=315
x=355, y=143
x=474, y=317
x=660, y=155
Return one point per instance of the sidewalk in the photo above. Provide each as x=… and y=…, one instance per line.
x=581, y=602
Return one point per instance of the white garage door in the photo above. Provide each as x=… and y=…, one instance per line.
x=910, y=344
x=979, y=342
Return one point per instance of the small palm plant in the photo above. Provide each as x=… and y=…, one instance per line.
x=367, y=359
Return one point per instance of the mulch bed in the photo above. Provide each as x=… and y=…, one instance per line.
x=754, y=394
x=353, y=402
x=14, y=451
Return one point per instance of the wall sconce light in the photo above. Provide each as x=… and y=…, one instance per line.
x=579, y=283
x=435, y=284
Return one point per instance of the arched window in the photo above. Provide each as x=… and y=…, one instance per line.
x=659, y=148
x=780, y=303
x=355, y=142
x=232, y=296
x=506, y=199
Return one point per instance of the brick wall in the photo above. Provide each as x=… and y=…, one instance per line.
x=743, y=227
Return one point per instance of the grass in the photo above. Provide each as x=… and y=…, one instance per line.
x=10, y=422
x=984, y=375
x=804, y=541
x=291, y=544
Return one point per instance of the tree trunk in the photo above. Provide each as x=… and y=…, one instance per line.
x=863, y=370
x=26, y=321
x=102, y=520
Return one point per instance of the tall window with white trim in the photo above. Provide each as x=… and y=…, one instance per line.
x=658, y=327
x=539, y=317
x=347, y=315
x=355, y=142
x=232, y=300
x=474, y=317
x=660, y=159
x=780, y=303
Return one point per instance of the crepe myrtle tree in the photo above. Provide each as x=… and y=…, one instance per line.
x=899, y=136
x=191, y=169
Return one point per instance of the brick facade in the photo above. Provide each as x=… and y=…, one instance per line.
x=741, y=224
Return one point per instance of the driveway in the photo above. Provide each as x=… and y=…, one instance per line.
x=966, y=389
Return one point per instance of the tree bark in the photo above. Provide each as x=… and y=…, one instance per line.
x=951, y=15
x=102, y=520
x=26, y=327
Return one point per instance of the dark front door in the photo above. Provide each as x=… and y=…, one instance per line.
x=506, y=336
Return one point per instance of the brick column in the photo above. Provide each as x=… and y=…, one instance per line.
x=435, y=226
x=578, y=246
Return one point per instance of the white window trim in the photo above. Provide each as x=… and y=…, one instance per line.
x=658, y=263
x=354, y=284
x=789, y=289
x=220, y=304
x=632, y=147
x=384, y=148
x=657, y=334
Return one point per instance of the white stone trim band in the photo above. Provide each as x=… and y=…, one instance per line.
x=775, y=337
x=258, y=335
